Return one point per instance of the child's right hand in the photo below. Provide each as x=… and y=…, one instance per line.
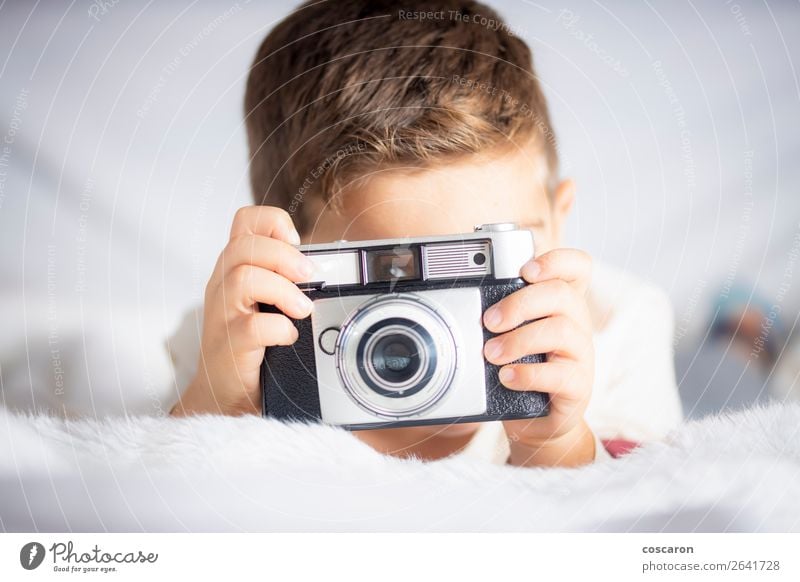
x=259, y=264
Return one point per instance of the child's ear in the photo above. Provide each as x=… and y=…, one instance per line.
x=563, y=199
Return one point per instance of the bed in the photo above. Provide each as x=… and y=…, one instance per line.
x=736, y=472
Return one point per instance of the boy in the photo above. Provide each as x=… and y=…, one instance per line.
x=370, y=120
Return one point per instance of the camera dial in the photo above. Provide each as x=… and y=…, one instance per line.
x=496, y=227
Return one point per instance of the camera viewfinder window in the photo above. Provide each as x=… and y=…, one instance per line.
x=395, y=264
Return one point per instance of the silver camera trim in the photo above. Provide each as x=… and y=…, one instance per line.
x=507, y=247
x=385, y=307
x=466, y=394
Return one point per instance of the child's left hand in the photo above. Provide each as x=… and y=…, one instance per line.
x=562, y=329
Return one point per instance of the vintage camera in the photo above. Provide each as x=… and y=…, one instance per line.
x=396, y=336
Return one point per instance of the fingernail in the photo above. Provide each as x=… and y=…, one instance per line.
x=531, y=270
x=507, y=375
x=293, y=236
x=493, y=349
x=304, y=304
x=493, y=318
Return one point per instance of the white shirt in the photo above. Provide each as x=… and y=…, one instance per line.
x=634, y=396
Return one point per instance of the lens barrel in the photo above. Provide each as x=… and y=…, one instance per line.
x=396, y=355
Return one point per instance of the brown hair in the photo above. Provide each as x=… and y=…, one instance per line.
x=339, y=89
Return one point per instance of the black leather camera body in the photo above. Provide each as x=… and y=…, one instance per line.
x=396, y=336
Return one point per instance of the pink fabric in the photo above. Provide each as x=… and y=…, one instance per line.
x=618, y=447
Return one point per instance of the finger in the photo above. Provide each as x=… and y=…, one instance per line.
x=269, y=221
x=267, y=253
x=247, y=285
x=561, y=379
x=572, y=265
x=258, y=330
x=557, y=335
x=553, y=297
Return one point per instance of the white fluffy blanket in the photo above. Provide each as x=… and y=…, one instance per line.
x=739, y=472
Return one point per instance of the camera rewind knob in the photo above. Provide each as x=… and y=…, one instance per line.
x=496, y=227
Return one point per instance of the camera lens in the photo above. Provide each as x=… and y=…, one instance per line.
x=396, y=355
x=395, y=358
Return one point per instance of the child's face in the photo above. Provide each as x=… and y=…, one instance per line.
x=450, y=199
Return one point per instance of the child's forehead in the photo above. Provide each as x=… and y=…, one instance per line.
x=445, y=199
x=511, y=176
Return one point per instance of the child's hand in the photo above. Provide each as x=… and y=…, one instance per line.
x=258, y=265
x=563, y=331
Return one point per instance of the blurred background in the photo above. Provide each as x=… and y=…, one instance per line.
x=123, y=160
